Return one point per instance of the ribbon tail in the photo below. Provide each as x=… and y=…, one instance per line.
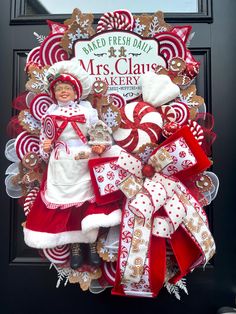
x=157, y=259
x=186, y=252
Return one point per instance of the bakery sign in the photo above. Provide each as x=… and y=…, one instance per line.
x=119, y=58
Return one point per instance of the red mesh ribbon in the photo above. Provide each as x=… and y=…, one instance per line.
x=19, y=102
x=206, y=120
x=13, y=127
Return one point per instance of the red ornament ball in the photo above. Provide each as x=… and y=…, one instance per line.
x=148, y=171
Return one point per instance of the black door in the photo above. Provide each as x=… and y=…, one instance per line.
x=27, y=286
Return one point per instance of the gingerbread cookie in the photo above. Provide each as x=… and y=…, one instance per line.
x=188, y=96
x=105, y=253
x=28, y=122
x=32, y=169
x=149, y=25
x=176, y=67
x=204, y=183
x=137, y=268
x=30, y=161
x=84, y=278
x=36, y=82
x=137, y=240
x=97, y=97
x=107, y=111
x=79, y=26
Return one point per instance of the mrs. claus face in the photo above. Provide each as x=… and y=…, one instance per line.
x=64, y=92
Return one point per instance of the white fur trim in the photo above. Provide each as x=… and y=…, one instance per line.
x=43, y=240
x=101, y=220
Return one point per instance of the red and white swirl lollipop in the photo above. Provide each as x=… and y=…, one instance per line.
x=118, y=100
x=51, y=51
x=33, y=56
x=39, y=105
x=109, y=272
x=140, y=124
x=29, y=200
x=182, y=112
x=171, y=45
x=197, y=131
x=26, y=143
x=58, y=255
x=49, y=127
x=168, y=113
x=120, y=19
x=129, y=17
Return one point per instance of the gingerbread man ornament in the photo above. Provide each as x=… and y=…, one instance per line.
x=176, y=67
x=103, y=102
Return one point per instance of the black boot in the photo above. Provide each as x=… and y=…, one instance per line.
x=93, y=257
x=76, y=256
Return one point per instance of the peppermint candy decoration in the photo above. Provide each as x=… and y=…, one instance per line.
x=126, y=236
x=171, y=46
x=51, y=51
x=110, y=175
x=33, y=56
x=109, y=188
x=174, y=159
x=168, y=113
x=26, y=143
x=171, y=147
x=120, y=19
x=140, y=124
x=58, y=255
x=182, y=154
x=118, y=100
x=171, y=169
x=100, y=178
x=49, y=127
x=113, y=165
x=29, y=200
x=109, y=272
x=122, y=174
x=39, y=105
x=187, y=164
x=130, y=222
x=182, y=142
x=197, y=131
x=99, y=169
x=123, y=252
x=182, y=112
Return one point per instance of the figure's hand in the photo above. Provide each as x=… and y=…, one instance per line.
x=98, y=149
x=82, y=155
x=47, y=145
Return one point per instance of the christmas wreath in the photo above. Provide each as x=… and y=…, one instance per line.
x=110, y=150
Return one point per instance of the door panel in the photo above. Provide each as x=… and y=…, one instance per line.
x=27, y=284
